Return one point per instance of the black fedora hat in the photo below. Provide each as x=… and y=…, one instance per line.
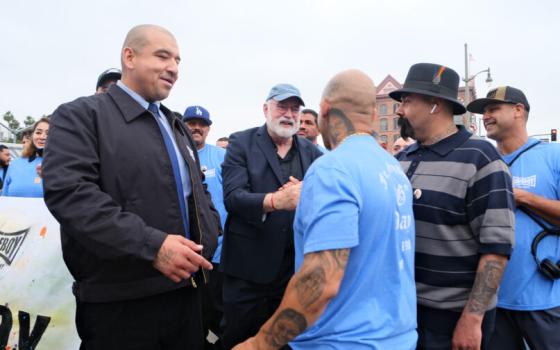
x=432, y=80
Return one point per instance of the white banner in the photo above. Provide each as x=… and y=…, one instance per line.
x=37, y=307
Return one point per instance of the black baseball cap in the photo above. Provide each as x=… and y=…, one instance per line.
x=502, y=94
x=109, y=74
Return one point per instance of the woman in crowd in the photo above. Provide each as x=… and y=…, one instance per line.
x=24, y=174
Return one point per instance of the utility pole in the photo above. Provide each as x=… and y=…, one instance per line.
x=467, y=98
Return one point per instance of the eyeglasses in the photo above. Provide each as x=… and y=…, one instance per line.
x=283, y=108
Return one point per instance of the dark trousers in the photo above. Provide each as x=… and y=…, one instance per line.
x=435, y=328
x=169, y=321
x=247, y=306
x=540, y=329
x=212, y=307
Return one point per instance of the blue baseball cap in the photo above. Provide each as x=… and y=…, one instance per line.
x=197, y=112
x=281, y=92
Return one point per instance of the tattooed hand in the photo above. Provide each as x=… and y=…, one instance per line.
x=178, y=258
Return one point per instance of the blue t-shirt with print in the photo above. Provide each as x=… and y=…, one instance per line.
x=523, y=287
x=22, y=179
x=357, y=197
x=211, y=159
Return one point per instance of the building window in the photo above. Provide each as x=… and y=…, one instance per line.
x=384, y=138
x=383, y=109
x=395, y=107
x=395, y=137
x=383, y=124
x=396, y=123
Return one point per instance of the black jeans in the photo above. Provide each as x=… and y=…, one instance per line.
x=171, y=320
x=212, y=307
x=247, y=306
x=540, y=328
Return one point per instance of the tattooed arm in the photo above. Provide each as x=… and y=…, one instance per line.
x=468, y=332
x=305, y=299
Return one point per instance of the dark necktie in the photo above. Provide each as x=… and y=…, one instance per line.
x=153, y=108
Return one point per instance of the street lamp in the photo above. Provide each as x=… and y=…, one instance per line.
x=467, y=79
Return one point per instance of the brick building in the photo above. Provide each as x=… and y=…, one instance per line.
x=386, y=123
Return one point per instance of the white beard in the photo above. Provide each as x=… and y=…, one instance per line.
x=280, y=130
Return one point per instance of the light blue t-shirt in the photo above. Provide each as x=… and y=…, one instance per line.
x=211, y=159
x=357, y=197
x=322, y=149
x=22, y=179
x=523, y=287
x=3, y=172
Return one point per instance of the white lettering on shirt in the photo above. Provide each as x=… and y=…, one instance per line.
x=524, y=182
x=402, y=222
x=210, y=172
x=401, y=195
x=406, y=245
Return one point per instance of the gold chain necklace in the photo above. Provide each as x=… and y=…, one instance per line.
x=354, y=134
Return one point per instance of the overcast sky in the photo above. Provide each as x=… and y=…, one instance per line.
x=234, y=51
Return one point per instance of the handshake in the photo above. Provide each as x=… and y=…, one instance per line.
x=285, y=198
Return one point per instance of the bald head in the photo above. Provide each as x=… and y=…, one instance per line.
x=347, y=107
x=150, y=61
x=351, y=91
x=138, y=37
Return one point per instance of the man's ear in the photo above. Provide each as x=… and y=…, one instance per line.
x=374, y=114
x=128, y=57
x=519, y=111
x=324, y=108
x=323, y=118
x=265, y=109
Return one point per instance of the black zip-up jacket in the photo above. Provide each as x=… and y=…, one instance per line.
x=108, y=181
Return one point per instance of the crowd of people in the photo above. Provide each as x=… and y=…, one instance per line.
x=269, y=240
x=21, y=177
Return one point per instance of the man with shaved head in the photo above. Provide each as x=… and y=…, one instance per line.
x=354, y=239
x=122, y=177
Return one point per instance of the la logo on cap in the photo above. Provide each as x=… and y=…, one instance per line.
x=198, y=111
